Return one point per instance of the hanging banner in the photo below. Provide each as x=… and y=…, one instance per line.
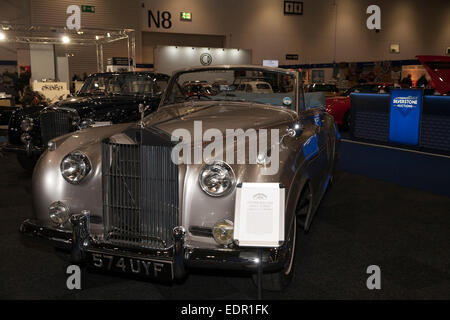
x=405, y=115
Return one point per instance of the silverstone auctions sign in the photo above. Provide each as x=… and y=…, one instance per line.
x=405, y=115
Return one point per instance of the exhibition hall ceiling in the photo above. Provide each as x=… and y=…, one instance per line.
x=326, y=31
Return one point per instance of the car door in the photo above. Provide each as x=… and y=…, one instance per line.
x=315, y=151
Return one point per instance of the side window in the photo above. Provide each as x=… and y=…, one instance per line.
x=160, y=85
x=176, y=94
x=248, y=88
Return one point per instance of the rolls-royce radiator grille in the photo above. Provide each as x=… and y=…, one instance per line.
x=140, y=195
x=54, y=124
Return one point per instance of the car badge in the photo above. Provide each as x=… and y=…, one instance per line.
x=287, y=101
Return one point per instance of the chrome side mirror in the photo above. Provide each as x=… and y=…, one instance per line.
x=296, y=130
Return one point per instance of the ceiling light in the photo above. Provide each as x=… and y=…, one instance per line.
x=65, y=39
x=2, y=36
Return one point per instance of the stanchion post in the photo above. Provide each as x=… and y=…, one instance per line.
x=260, y=273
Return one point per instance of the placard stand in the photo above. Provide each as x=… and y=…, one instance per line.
x=260, y=273
x=259, y=219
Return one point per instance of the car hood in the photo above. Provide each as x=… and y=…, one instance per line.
x=81, y=102
x=161, y=125
x=438, y=67
x=219, y=115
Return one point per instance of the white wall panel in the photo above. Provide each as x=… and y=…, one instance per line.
x=171, y=58
x=42, y=61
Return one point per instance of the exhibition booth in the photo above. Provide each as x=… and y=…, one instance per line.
x=45, y=51
x=411, y=117
x=160, y=149
x=403, y=118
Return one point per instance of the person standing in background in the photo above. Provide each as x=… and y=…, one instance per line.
x=407, y=81
x=422, y=82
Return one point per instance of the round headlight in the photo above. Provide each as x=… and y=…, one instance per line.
x=58, y=213
x=27, y=124
x=86, y=123
x=75, y=166
x=223, y=232
x=217, y=179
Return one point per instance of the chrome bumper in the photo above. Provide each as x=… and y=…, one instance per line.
x=28, y=149
x=78, y=242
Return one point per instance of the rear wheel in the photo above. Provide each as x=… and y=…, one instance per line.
x=277, y=281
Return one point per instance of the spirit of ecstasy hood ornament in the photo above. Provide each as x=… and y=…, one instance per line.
x=142, y=110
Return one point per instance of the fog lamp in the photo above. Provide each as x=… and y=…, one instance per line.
x=223, y=232
x=25, y=137
x=58, y=213
x=26, y=125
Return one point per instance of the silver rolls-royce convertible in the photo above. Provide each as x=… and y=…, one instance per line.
x=157, y=197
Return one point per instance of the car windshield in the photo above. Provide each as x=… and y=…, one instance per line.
x=122, y=84
x=233, y=84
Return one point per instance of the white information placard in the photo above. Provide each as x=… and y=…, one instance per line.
x=51, y=90
x=259, y=215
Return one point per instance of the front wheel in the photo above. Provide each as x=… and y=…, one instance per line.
x=278, y=281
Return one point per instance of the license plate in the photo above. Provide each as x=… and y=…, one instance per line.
x=148, y=268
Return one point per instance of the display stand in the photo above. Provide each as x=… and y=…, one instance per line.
x=260, y=274
x=259, y=219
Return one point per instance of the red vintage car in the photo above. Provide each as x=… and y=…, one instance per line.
x=339, y=107
x=197, y=88
x=438, y=67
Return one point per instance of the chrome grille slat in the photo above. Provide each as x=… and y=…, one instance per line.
x=54, y=124
x=140, y=195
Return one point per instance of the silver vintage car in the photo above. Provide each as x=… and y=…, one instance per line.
x=157, y=197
